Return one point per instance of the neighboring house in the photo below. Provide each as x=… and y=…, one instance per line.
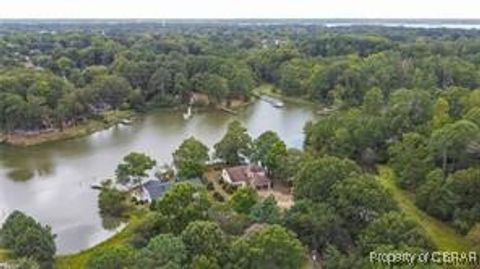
x=246, y=175
x=151, y=190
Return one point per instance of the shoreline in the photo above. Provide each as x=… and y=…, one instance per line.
x=101, y=122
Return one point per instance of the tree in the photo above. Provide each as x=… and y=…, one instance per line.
x=316, y=224
x=190, y=158
x=435, y=196
x=214, y=85
x=450, y=143
x=243, y=200
x=23, y=263
x=465, y=186
x=373, y=101
x=268, y=247
x=411, y=159
x=182, y=204
x=111, y=258
x=241, y=83
x=290, y=164
x=204, y=262
x=235, y=145
x=112, y=202
x=408, y=109
x=266, y=211
x=112, y=90
x=440, y=113
x=165, y=251
x=393, y=230
x=316, y=177
x=269, y=149
x=204, y=238
x=133, y=168
x=25, y=237
x=360, y=200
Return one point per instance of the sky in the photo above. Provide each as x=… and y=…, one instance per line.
x=240, y=9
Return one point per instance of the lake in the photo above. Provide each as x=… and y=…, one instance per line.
x=52, y=181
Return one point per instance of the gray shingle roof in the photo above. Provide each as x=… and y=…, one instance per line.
x=156, y=188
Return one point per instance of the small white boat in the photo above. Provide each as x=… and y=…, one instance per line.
x=187, y=115
x=126, y=122
x=274, y=102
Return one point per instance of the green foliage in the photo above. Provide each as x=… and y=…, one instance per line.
x=435, y=196
x=165, y=251
x=450, y=144
x=235, y=145
x=393, y=230
x=268, y=247
x=204, y=238
x=411, y=159
x=441, y=113
x=316, y=224
x=204, y=262
x=134, y=167
x=23, y=263
x=112, y=258
x=270, y=151
x=112, y=202
x=266, y=211
x=190, y=158
x=316, y=177
x=244, y=199
x=360, y=200
x=25, y=237
x=182, y=204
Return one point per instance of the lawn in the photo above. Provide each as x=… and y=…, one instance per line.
x=3, y=254
x=442, y=235
x=270, y=90
x=78, y=260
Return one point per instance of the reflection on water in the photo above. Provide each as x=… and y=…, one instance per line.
x=52, y=181
x=111, y=223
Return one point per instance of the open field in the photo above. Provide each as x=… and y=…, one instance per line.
x=443, y=236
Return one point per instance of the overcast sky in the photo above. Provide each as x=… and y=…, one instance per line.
x=239, y=9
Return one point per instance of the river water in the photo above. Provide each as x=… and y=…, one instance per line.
x=52, y=181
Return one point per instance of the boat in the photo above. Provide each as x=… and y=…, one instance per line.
x=126, y=122
x=4, y=213
x=187, y=115
x=274, y=102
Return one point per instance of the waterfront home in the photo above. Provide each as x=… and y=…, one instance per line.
x=151, y=190
x=246, y=175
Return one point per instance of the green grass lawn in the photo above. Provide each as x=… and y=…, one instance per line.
x=3, y=254
x=442, y=235
x=78, y=260
x=268, y=89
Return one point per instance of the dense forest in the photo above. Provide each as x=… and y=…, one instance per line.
x=403, y=100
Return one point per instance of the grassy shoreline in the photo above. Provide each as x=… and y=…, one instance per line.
x=79, y=260
x=101, y=122
x=270, y=90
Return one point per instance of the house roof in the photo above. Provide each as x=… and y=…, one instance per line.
x=156, y=188
x=252, y=174
x=260, y=180
x=238, y=173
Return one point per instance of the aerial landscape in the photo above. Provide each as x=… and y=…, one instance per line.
x=256, y=143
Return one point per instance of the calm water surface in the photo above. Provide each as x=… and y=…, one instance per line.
x=56, y=177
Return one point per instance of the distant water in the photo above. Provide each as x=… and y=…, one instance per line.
x=409, y=25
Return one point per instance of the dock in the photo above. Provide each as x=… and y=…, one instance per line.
x=228, y=110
